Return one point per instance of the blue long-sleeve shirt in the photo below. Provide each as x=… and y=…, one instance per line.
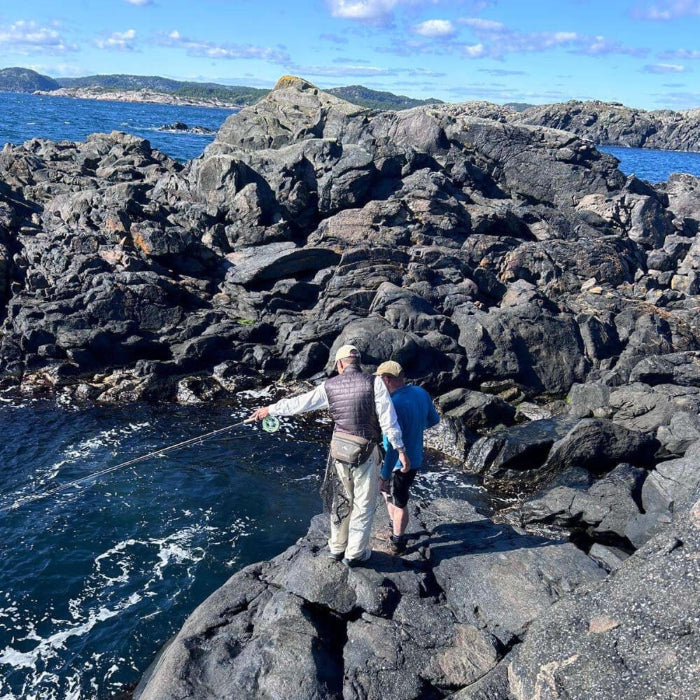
x=415, y=411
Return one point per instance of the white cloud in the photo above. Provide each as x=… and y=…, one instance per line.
x=499, y=72
x=484, y=25
x=680, y=100
x=498, y=94
x=118, y=41
x=28, y=37
x=58, y=70
x=435, y=28
x=473, y=51
x=344, y=71
x=497, y=40
x=680, y=54
x=380, y=12
x=667, y=10
x=362, y=10
x=334, y=38
x=208, y=49
x=664, y=68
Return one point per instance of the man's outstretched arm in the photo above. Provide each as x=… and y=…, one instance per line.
x=313, y=400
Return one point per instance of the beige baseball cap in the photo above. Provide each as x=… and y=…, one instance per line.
x=390, y=367
x=346, y=351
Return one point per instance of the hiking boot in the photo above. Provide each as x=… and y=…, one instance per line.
x=335, y=557
x=398, y=544
x=359, y=560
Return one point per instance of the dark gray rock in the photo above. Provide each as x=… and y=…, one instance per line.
x=681, y=368
x=585, y=400
x=608, y=557
x=277, y=261
x=641, y=528
x=614, y=124
x=471, y=249
x=681, y=432
x=476, y=410
x=602, y=512
x=597, y=445
x=515, y=454
x=669, y=483
x=181, y=127
x=535, y=347
x=436, y=620
x=632, y=635
x=645, y=408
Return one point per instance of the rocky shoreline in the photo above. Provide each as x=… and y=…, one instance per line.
x=603, y=123
x=143, y=95
x=613, y=124
x=548, y=302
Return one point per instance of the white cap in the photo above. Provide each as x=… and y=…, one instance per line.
x=346, y=351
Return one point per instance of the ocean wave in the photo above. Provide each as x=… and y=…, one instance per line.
x=126, y=577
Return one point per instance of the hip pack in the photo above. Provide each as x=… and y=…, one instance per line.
x=350, y=449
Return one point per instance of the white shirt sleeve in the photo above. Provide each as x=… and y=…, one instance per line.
x=310, y=401
x=387, y=414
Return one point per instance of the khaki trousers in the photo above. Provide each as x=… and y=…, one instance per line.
x=361, y=485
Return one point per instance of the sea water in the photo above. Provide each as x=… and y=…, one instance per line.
x=94, y=579
x=652, y=165
x=24, y=116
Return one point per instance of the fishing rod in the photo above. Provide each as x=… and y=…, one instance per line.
x=269, y=425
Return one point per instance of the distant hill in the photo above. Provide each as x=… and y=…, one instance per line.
x=25, y=80
x=231, y=94
x=240, y=95
x=375, y=99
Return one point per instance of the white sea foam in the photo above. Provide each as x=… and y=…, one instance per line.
x=48, y=646
x=112, y=437
x=257, y=393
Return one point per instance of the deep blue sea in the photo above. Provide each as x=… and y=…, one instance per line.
x=24, y=116
x=654, y=166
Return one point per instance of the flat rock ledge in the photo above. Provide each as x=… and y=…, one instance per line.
x=440, y=620
x=474, y=611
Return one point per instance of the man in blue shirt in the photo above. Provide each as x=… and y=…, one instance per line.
x=415, y=412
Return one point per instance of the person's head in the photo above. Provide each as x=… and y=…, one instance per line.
x=392, y=375
x=345, y=356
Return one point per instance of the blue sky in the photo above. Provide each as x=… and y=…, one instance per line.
x=643, y=53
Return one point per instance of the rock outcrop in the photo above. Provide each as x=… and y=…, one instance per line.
x=610, y=123
x=472, y=250
x=547, y=301
x=631, y=636
x=474, y=610
x=442, y=618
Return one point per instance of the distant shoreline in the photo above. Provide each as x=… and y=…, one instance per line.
x=142, y=96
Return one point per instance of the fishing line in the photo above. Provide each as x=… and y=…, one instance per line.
x=269, y=425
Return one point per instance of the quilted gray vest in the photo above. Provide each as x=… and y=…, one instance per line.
x=351, y=403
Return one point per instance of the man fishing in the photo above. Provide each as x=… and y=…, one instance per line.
x=415, y=411
x=361, y=409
